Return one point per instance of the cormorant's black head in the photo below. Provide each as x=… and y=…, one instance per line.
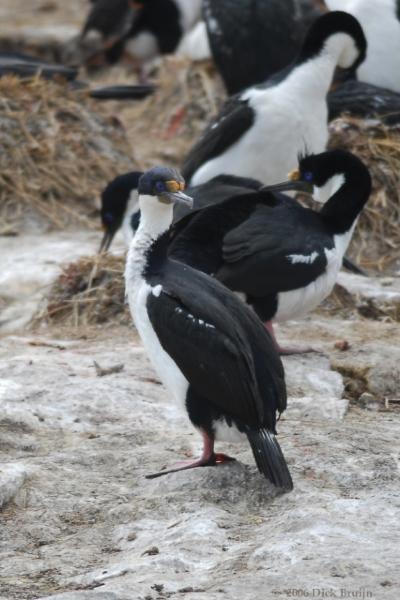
x=329, y=24
x=319, y=171
x=166, y=184
x=114, y=202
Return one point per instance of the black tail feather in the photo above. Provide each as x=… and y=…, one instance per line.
x=353, y=268
x=269, y=458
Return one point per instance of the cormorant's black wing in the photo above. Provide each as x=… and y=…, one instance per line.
x=220, y=346
x=274, y=250
x=216, y=190
x=197, y=238
x=364, y=100
x=250, y=39
x=234, y=119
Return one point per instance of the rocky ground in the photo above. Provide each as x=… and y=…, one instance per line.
x=80, y=521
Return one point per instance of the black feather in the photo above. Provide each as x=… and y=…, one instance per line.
x=269, y=458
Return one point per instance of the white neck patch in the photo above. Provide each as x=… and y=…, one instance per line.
x=322, y=194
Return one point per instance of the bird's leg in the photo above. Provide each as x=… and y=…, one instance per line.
x=288, y=350
x=208, y=458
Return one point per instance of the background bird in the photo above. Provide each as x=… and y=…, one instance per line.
x=260, y=132
x=381, y=24
x=140, y=30
x=250, y=40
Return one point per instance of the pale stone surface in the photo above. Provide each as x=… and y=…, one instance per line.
x=383, y=289
x=31, y=263
x=90, y=524
x=12, y=477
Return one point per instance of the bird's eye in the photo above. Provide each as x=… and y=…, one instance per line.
x=160, y=186
x=308, y=176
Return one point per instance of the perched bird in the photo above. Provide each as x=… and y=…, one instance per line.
x=282, y=257
x=140, y=29
x=251, y=40
x=260, y=132
x=210, y=351
x=381, y=24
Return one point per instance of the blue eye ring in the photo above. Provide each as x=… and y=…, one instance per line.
x=160, y=186
x=308, y=176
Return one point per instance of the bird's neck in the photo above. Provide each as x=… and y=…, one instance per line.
x=147, y=249
x=344, y=206
x=311, y=79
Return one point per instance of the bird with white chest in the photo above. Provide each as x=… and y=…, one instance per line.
x=380, y=20
x=284, y=258
x=260, y=132
x=210, y=350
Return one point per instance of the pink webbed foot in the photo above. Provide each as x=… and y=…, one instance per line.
x=212, y=461
x=208, y=459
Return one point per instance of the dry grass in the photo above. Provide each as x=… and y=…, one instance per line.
x=376, y=242
x=88, y=292
x=163, y=127
x=57, y=151
x=345, y=305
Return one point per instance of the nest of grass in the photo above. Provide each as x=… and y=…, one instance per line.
x=343, y=304
x=57, y=151
x=164, y=126
x=376, y=240
x=88, y=292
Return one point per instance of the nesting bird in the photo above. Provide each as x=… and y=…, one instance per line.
x=260, y=132
x=140, y=29
x=210, y=350
x=282, y=257
x=381, y=23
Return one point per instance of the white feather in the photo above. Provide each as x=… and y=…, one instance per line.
x=382, y=29
x=190, y=12
x=291, y=118
x=297, y=303
x=195, y=44
x=302, y=258
x=132, y=207
x=154, y=221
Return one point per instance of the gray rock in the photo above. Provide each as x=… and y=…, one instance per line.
x=12, y=478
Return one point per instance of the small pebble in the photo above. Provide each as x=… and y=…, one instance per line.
x=151, y=551
x=342, y=345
